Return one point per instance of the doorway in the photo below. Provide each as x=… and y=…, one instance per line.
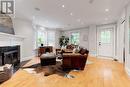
x=105, y=41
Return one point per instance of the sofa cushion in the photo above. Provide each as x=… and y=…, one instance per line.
x=48, y=56
x=76, y=50
x=70, y=47
x=83, y=51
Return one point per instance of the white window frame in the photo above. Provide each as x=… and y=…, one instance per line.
x=79, y=37
x=46, y=43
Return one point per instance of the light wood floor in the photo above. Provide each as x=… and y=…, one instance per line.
x=102, y=73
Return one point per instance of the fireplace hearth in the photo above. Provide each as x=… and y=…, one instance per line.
x=10, y=55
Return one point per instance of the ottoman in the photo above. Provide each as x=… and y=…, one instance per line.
x=48, y=59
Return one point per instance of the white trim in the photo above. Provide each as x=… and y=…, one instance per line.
x=127, y=70
x=11, y=36
x=27, y=58
x=93, y=53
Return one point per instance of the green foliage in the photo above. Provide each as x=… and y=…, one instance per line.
x=40, y=40
x=63, y=41
x=75, y=38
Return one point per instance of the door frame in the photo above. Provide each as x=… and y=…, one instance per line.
x=121, y=42
x=113, y=26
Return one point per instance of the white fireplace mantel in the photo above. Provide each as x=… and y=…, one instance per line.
x=10, y=35
x=12, y=40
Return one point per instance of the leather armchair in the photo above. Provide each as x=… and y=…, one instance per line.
x=74, y=61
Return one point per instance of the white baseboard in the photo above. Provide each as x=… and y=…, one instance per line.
x=127, y=70
x=27, y=58
x=93, y=53
x=115, y=57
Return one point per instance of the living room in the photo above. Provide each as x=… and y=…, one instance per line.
x=64, y=43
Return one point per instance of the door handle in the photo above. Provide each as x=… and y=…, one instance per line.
x=99, y=43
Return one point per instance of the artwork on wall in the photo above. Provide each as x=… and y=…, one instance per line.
x=6, y=25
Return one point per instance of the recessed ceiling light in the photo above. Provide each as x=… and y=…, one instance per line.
x=78, y=20
x=106, y=10
x=37, y=9
x=46, y=21
x=82, y=23
x=106, y=18
x=63, y=6
x=71, y=14
x=91, y=1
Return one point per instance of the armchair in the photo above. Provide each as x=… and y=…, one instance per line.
x=75, y=60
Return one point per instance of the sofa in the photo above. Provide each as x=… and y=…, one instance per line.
x=75, y=60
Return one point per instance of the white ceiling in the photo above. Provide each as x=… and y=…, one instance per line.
x=84, y=12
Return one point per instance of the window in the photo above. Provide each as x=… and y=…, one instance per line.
x=106, y=36
x=75, y=38
x=51, y=38
x=41, y=37
x=47, y=38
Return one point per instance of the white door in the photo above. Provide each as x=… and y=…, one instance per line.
x=105, y=42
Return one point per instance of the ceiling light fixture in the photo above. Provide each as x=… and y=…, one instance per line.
x=91, y=1
x=78, y=20
x=106, y=10
x=82, y=23
x=106, y=18
x=63, y=6
x=71, y=14
x=37, y=9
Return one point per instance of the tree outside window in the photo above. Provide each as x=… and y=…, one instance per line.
x=47, y=38
x=75, y=38
x=40, y=38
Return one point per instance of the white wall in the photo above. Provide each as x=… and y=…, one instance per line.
x=120, y=37
x=25, y=28
x=120, y=29
x=93, y=40
x=127, y=44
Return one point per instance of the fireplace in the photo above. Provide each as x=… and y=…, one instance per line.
x=10, y=55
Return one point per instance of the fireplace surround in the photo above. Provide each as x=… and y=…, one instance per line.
x=10, y=55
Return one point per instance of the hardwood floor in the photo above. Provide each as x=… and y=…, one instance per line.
x=101, y=73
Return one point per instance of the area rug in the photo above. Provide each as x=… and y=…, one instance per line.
x=37, y=69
